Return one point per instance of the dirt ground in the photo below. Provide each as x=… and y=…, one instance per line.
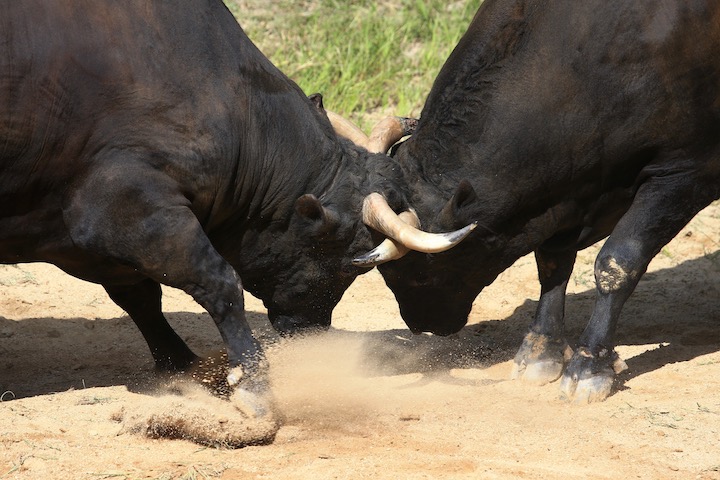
x=368, y=399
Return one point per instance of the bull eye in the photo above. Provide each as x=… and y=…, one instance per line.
x=421, y=280
x=348, y=269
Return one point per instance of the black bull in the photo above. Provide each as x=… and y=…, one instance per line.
x=566, y=121
x=147, y=142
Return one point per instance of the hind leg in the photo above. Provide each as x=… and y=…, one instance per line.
x=142, y=302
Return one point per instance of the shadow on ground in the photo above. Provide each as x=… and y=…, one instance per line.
x=677, y=309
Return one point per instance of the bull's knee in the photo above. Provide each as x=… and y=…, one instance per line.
x=613, y=274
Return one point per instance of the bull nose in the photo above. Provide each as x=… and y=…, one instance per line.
x=440, y=330
x=449, y=329
x=436, y=319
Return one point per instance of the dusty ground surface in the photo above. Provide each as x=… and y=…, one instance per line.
x=368, y=399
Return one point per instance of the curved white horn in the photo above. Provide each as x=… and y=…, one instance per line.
x=377, y=214
x=389, y=249
x=383, y=136
x=386, y=133
x=345, y=128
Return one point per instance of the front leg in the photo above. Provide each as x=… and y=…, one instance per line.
x=591, y=371
x=661, y=208
x=544, y=350
x=143, y=223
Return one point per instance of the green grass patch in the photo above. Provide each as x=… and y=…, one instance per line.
x=364, y=57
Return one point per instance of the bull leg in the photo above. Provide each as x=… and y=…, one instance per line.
x=662, y=206
x=544, y=350
x=177, y=253
x=142, y=222
x=142, y=302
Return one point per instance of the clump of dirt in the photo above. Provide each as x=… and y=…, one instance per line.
x=189, y=412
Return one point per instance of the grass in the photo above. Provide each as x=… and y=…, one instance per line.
x=364, y=57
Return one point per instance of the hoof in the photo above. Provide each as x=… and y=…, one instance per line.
x=588, y=390
x=589, y=378
x=251, y=404
x=234, y=375
x=537, y=373
x=540, y=359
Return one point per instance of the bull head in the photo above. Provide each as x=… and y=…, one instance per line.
x=402, y=230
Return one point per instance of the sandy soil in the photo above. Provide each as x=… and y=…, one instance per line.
x=368, y=399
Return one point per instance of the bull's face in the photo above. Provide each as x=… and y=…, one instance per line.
x=322, y=269
x=427, y=303
x=305, y=268
x=435, y=292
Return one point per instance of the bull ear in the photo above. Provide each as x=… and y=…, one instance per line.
x=452, y=214
x=323, y=219
x=317, y=100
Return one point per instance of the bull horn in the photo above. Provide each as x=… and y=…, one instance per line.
x=388, y=131
x=345, y=128
x=389, y=249
x=377, y=214
x=383, y=136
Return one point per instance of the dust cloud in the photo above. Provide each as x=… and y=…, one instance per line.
x=339, y=379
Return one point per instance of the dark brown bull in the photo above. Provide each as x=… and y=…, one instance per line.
x=147, y=142
x=564, y=122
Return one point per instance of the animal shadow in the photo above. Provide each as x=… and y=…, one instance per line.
x=674, y=312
